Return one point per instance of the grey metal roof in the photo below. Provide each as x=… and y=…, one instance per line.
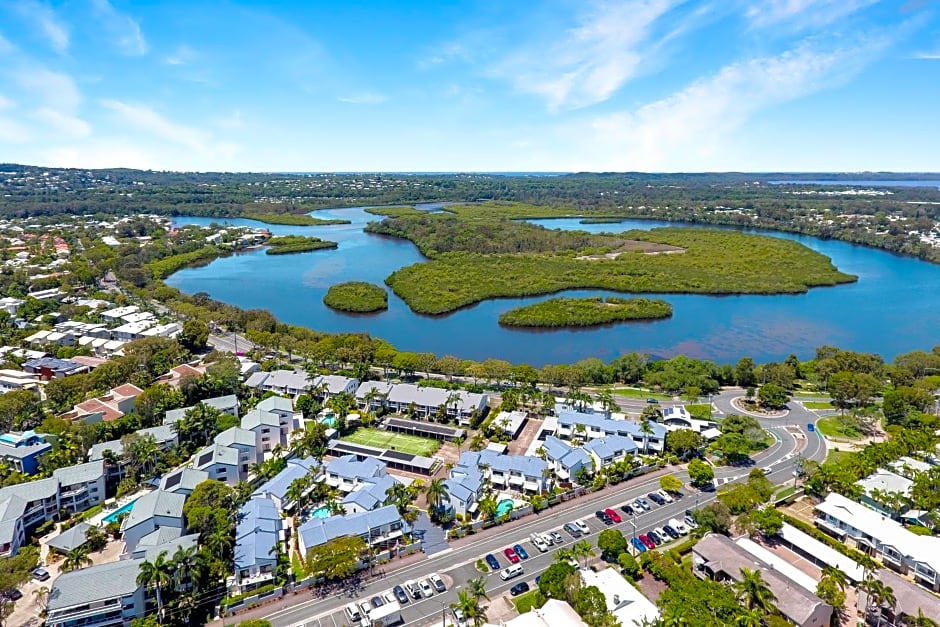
x=258, y=418
x=555, y=449
x=464, y=483
x=611, y=446
x=527, y=466
x=81, y=473
x=157, y=537
x=599, y=422
x=318, y=531
x=161, y=434
x=24, y=451
x=349, y=467
x=216, y=454
x=156, y=503
x=237, y=435
x=183, y=479
x=12, y=508
x=286, y=379
x=257, y=533
x=335, y=383
x=31, y=490
x=381, y=387
x=407, y=393
x=276, y=404
x=226, y=403
x=95, y=583
x=70, y=538
x=372, y=493
x=277, y=486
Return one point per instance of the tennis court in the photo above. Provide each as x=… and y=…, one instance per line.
x=394, y=441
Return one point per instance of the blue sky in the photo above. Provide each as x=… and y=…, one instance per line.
x=568, y=85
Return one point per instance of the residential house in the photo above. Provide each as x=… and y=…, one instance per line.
x=277, y=487
x=117, y=403
x=287, y=382
x=326, y=386
x=267, y=428
x=152, y=511
x=131, y=331
x=382, y=529
x=118, y=313
x=258, y=537
x=17, y=380
x=678, y=417
x=511, y=422
x=553, y=613
x=51, y=368
x=22, y=451
x=568, y=462
x=879, y=535
x=624, y=601
x=231, y=456
x=886, y=492
x=720, y=558
x=370, y=495
x=183, y=481
x=465, y=487
x=348, y=473
x=81, y=486
x=610, y=449
x=225, y=404
x=177, y=375
x=511, y=472
x=372, y=395
x=590, y=426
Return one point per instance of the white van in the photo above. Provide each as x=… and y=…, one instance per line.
x=679, y=526
x=352, y=613
x=513, y=571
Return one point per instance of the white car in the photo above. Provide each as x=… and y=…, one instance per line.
x=426, y=589
x=640, y=506
x=459, y=618
x=582, y=526
x=539, y=543
x=666, y=496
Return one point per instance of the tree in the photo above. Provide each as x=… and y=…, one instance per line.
x=552, y=583
x=337, y=559
x=436, y=496
x=477, y=587
x=194, y=335
x=591, y=605
x=745, y=372
x=611, y=543
x=768, y=520
x=156, y=575
x=683, y=442
x=701, y=472
x=772, y=396
x=582, y=550
x=670, y=483
x=210, y=509
x=255, y=622
x=76, y=558
x=714, y=516
x=629, y=566
x=830, y=592
x=754, y=592
x=469, y=606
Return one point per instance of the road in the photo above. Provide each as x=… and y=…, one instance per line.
x=230, y=343
x=457, y=565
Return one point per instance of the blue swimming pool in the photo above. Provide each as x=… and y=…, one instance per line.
x=124, y=509
x=504, y=507
x=321, y=512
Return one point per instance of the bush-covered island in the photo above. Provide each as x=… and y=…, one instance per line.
x=288, y=244
x=357, y=297
x=585, y=312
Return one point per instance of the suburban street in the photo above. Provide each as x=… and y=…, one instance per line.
x=230, y=343
x=457, y=564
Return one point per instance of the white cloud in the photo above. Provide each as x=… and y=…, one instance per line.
x=232, y=121
x=53, y=89
x=181, y=56
x=364, y=99
x=13, y=132
x=146, y=120
x=696, y=127
x=68, y=125
x=930, y=56
x=6, y=103
x=124, y=29
x=5, y=45
x=802, y=13
x=47, y=21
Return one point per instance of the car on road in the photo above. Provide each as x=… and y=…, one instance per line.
x=437, y=582
x=810, y=427
x=377, y=601
x=670, y=531
x=614, y=516
x=459, y=618
x=520, y=588
x=652, y=401
x=767, y=469
x=628, y=510
x=647, y=542
x=603, y=517
x=654, y=497
x=521, y=552
x=400, y=594
x=572, y=529
x=556, y=537
x=511, y=555
x=539, y=542
x=582, y=527
x=491, y=561
x=41, y=574
x=426, y=589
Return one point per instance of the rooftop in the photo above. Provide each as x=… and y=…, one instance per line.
x=156, y=503
x=95, y=583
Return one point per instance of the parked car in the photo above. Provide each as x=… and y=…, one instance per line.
x=670, y=531
x=512, y=571
x=521, y=552
x=426, y=589
x=556, y=537
x=14, y=594
x=647, y=542
x=491, y=561
x=400, y=594
x=389, y=597
x=41, y=574
x=437, y=582
x=654, y=497
x=459, y=618
x=641, y=504
x=638, y=545
x=690, y=522
x=511, y=555
x=659, y=531
x=614, y=516
x=414, y=590
x=377, y=601
x=582, y=527
x=644, y=502
x=539, y=542
x=572, y=529
x=665, y=495
x=603, y=517
x=679, y=526
x=655, y=537
x=628, y=510
x=520, y=588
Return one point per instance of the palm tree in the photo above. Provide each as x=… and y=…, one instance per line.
x=437, y=495
x=156, y=575
x=477, y=587
x=458, y=442
x=182, y=565
x=76, y=558
x=469, y=606
x=836, y=575
x=674, y=617
x=606, y=400
x=40, y=597
x=582, y=550
x=749, y=618
x=920, y=620
x=754, y=592
x=488, y=506
x=647, y=430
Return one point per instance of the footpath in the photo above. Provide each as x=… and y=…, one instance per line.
x=290, y=599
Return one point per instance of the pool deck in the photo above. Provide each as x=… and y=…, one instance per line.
x=98, y=519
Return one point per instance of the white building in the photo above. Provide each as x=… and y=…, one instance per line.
x=626, y=603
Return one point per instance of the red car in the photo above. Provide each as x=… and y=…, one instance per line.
x=647, y=542
x=614, y=516
x=511, y=555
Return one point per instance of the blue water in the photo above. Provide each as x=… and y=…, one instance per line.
x=329, y=421
x=321, y=512
x=893, y=308
x=504, y=507
x=124, y=509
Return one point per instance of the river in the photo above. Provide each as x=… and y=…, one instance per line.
x=893, y=308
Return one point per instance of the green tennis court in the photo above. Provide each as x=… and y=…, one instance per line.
x=395, y=441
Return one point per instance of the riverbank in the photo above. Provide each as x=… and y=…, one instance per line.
x=585, y=312
x=291, y=244
x=356, y=297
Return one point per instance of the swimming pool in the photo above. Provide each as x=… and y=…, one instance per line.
x=124, y=509
x=321, y=512
x=504, y=507
x=329, y=421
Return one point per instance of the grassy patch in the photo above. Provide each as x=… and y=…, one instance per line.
x=357, y=297
x=702, y=411
x=818, y=405
x=834, y=457
x=290, y=244
x=395, y=441
x=395, y=212
x=601, y=220
x=482, y=567
x=528, y=601
x=585, y=312
x=296, y=567
x=639, y=393
x=835, y=427
x=785, y=492
x=291, y=219
x=478, y=254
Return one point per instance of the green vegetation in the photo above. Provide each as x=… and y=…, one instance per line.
x=585, y=312
x=834, y=456
x=394, y=441
x=817, y=405
x=163, y=268
x=356, y=296
x=474, y=259
x=529, y=601
x=291, y=219
x=395, y=212
x=601, y=220
x=702, y=411
x=835, y=427
x=289, y=244
x=638, y=393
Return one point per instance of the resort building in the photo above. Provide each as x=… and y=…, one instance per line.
x=567, y=461
x=382, y=529
x=577, y=425
x=883, y=488
x=258, y=536
x=396, y=460
x=287, y=382
x=348, y=473
x=152, y=511
x=225, y=404
x=465, y=486
x=372, y=395
x=277, y=487
x=425, y=401
x=22, y=451
x=624, y=601
x=510, y=472
x=231, y=456
x=183, y=481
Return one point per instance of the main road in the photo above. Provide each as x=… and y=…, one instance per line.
x=457, y=565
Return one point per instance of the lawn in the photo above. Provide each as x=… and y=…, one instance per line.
x=638, y=393
x=835, y=427
x=834, y=457
x=701, y=412
x=394, y=441
x=818, y=405
x=529, y=600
